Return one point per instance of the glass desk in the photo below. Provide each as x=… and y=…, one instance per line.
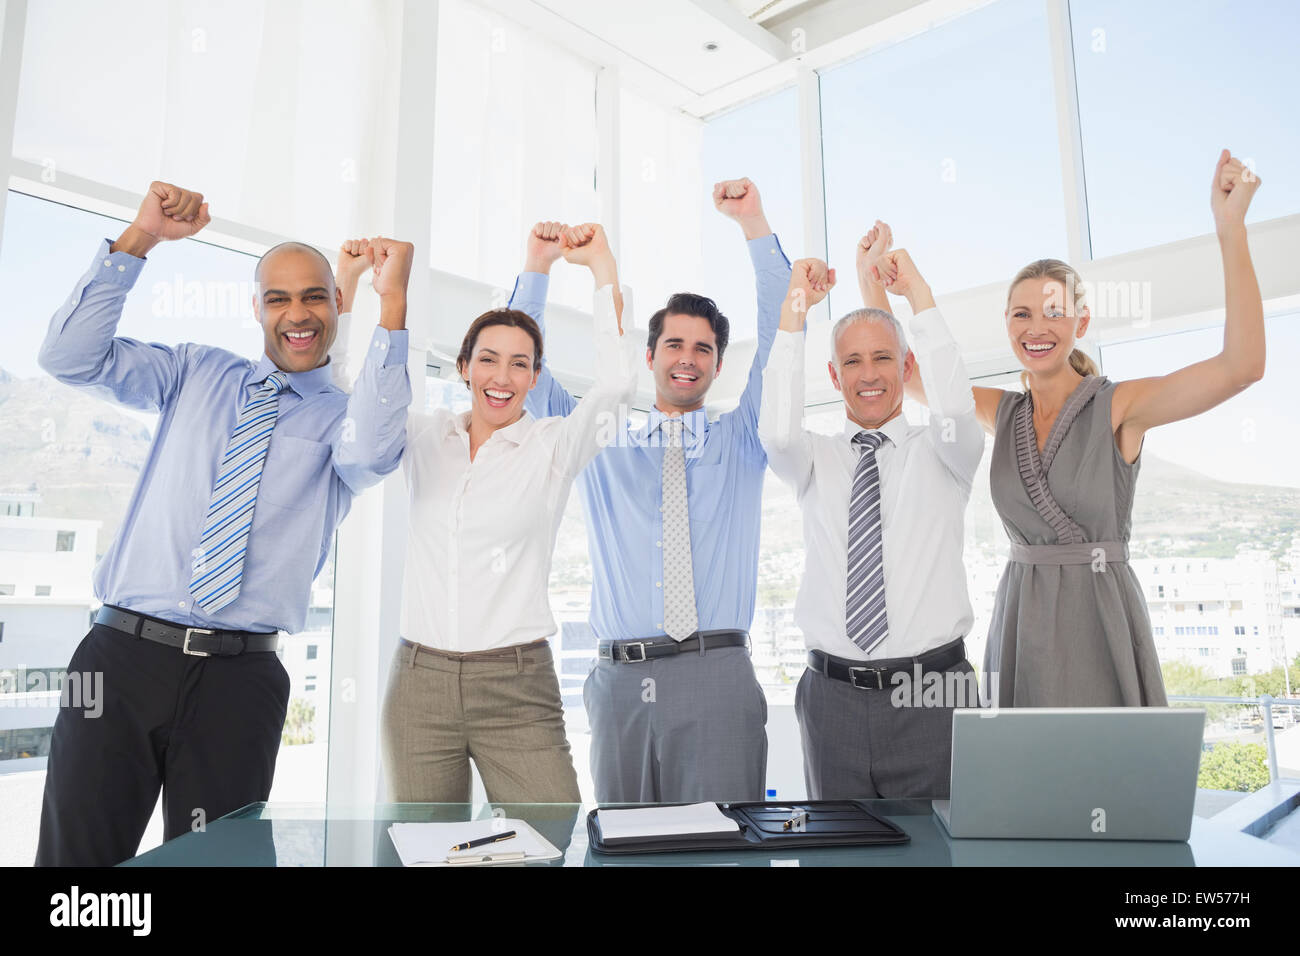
x=270, y=834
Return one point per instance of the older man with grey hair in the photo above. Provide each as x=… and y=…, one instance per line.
x=883, y=604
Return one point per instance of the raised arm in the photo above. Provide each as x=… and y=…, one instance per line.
x=780, y=421
x=877, y=272
x=80, y=347
x=597, y=419
x=954, y=430
x=372, y=437
x=548, y=397
x=1144, y=403
x=739, y=200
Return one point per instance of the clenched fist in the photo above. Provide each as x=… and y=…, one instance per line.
x=392, y=260
x=738, y=199
x=544, y=246
x=167, y=212
x=1230, y=194
x=871, y=249
x=810, y=281
x=585, y=245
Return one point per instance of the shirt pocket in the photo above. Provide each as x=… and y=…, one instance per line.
x=295, y=473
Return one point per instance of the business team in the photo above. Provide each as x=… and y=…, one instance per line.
x=254, y=464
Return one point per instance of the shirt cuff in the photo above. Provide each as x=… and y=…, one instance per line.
x=530, y=287
x=117, y=268
x=766, y=253
x=388, y=347
x=787, y=348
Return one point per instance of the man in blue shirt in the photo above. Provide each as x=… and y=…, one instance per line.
x=252, y=467
x=672, y=514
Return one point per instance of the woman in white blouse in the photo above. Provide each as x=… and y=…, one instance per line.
x=473, y=676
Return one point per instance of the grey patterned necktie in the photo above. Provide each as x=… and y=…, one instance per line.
x=865, y=619
x=680, y=618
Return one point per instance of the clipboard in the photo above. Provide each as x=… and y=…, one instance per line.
x=426, y=844
x=768, y=826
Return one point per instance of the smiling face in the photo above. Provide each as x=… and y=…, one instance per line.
x=1042, y=324
x=298, y=308
x=500, y=373
x=685, y=362
x=869, y=372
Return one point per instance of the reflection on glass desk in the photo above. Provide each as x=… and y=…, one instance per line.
x=263, y=834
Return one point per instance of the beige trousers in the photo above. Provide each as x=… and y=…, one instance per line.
x=500, y=707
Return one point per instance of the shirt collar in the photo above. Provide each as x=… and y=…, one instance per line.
x=514, y=432
x=895, y=429
x=304, y=383
x=694, y=424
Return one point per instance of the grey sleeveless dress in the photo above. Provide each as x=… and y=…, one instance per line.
x=1070, y=626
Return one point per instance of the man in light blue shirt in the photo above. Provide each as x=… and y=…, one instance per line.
x=252, y=467
x=672, y=514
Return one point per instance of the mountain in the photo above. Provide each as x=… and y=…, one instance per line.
x=80, y=453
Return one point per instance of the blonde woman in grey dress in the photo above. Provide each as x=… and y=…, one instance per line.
x=1070, y=626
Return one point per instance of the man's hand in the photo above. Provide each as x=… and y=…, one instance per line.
x=738, y=199
x=355, y=258
x=587, y=245
x=1230, y=194
x=900, y=276
x=392, y=260
x=543, y=246
x=167, y=212
x=871, y=249
x=810, y=280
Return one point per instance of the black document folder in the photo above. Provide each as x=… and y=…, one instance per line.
x=767, y=826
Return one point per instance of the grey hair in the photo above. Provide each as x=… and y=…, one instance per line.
x=869, y=315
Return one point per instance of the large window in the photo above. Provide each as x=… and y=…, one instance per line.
x=950, y=137
x=68, y=464
x=1154, y=115
x=1216, y=529
x=514, y=143
x=759, y=141
x=271, y=109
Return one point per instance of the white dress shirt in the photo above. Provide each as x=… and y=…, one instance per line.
x=925, y=481
x=482, y=532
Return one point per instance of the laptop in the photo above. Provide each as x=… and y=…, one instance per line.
x=1103, y=773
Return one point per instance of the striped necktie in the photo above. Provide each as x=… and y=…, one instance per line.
x=680, y=618
x=865, y=619
x=219, y=558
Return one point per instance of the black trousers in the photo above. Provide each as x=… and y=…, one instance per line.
x=204, y=729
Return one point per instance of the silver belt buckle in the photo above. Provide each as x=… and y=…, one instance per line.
x=878, y=671
x=633, y=660
x=185, y=649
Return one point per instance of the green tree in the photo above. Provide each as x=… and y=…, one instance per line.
x=1234, y=766
x=299, y=723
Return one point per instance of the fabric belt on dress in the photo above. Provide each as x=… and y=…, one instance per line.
x=634, y=651
x=195, y=641
x=1112, y=552
x=875, y=675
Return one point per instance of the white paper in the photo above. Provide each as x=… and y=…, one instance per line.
x=427, y=844
x=664, y=821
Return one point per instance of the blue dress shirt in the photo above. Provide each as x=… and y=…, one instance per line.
x=623, y=487
x=324, y=450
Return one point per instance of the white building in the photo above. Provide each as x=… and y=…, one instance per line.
x=46, y=601
x=1223, y=615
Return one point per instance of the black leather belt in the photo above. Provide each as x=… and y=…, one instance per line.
x=634, y=652
x=865, y=675
x=195, y=641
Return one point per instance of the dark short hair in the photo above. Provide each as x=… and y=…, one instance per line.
x=511, y=317
x=687, y=303
x=295, y=247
